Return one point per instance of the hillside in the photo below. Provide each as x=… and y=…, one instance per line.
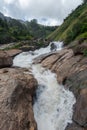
x=15, y=30
x=74, y=26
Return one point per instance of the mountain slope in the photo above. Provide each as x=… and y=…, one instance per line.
x=73, y=27
x=14, y=30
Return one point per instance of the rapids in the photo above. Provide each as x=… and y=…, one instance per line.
x=53, y=104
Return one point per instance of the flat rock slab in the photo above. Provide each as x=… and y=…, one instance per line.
x=13, y=52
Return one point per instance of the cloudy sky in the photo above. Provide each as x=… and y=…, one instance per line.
x=48, y=12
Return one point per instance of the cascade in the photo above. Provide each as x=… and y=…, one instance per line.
x=53, y=104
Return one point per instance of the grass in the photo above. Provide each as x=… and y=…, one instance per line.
x=73, y=27
x=85, y=52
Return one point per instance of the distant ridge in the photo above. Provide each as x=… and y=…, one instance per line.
x=16, y=30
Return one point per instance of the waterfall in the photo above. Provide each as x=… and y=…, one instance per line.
x=53, y=105
x=25, y=59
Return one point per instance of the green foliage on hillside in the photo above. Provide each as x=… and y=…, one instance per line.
x=16, y=30
x=74, y=26
x=12, y=31
x=39, y=31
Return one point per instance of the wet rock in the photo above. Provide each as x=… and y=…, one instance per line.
x=5, y=60
x=40, y=58
x=17, y=88
x=53, y=47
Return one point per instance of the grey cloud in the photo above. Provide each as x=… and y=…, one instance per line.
x=49, y=9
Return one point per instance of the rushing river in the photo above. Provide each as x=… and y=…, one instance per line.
x=53, y=105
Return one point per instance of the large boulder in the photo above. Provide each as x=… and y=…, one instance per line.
x=77, y=81
x=13, y=52
x=53, y=46
x=17, y=88
x=79, y=47
x=5, y=60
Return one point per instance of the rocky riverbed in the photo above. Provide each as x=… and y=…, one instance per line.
x=17, y=88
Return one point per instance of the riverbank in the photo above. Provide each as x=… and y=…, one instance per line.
x=26, y=45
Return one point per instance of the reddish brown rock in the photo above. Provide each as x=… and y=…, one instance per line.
x=17, y=88
x=13, y=52
x=5, y=60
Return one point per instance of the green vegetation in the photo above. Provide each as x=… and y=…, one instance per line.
x=26, y=44
x=74, y=26
x=39, y=31
x=12, y=30
x=85, y=52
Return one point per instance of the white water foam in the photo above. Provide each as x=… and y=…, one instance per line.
x=25, y=59
x=53, y=106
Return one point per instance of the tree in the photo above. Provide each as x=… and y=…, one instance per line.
x=84, y=1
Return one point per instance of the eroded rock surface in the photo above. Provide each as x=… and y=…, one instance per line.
x=13, y=52
x=17, y=88
x=64, y=63
x=5, y=60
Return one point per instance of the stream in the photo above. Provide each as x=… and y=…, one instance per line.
x=53, y=104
